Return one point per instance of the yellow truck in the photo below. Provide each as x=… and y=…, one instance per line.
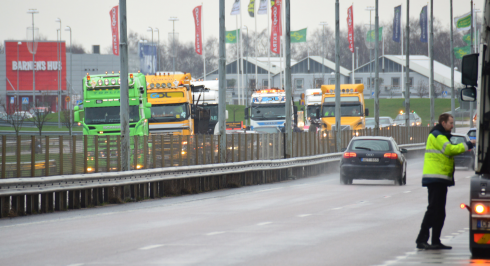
x=352, y=108
x=171, y=99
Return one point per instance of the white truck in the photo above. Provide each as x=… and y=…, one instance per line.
x=313, y=102
x=206, y=95
x=268, y=109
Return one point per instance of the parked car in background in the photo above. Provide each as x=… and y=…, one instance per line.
x=24, y=114
x=384, y=121
x=39, y=109
x=3, y=116
x=373, y=158
x=414, y=119
x=467, y=158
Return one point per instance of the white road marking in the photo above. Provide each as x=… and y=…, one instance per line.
x=408, y=191
x=215, y=233
x=387, y=197
x=264, y=223
x=79, y=264
x=338, y=208
x=303, y=215
x=150, y=247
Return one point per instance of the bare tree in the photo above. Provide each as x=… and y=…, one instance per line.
x=67, y=120
x=77, y=49
x=422, y=88
x=438, y=89
x=39, y=117
x=14, y=114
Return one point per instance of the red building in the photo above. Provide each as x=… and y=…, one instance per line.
x=50, y=62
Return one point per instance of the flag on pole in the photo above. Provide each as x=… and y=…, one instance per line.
x=350, y=26
x=467, y=38
x=298, y=36
x=423, y=24
x=276, y=31
x=251, y=8
x=459, y=52
x=463, y=22
x=397, y=23
x=231, y=36
x=236, y=8
x=262, y=8
x=371, y=35
x=197, y=22
x=115, y=33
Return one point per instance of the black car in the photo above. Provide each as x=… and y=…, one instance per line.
x=467, y=158
x=373, y=158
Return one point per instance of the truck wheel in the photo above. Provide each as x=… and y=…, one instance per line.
x=479, y=253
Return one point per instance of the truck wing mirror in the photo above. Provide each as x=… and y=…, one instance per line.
x=246, y=112
x=226, y=112
x=468, y=94
x=469, y=70
x=148, y=105
x=366, y=112
x=76, y=116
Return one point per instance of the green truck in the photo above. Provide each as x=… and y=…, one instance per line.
x=100, y=117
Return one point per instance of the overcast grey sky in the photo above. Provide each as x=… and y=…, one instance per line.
x=90, y=21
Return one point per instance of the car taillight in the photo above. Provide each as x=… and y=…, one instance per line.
x=349, y=155
x=391, y=155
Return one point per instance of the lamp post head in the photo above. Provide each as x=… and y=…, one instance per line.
x=173, y=19
x=323, y=23
x=149, y=29
x=156, y=29
x=68, y=28
x=32, y=11
x=370, y=8
x=57, y=20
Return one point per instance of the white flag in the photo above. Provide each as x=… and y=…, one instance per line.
x=463, y=22
x=262, y=8
x=236, y=8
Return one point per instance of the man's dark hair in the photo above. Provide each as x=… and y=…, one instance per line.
x=444, y=117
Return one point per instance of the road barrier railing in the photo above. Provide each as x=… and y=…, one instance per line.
x=36, y=156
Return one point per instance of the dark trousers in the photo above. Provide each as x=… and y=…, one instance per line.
x=435, y=214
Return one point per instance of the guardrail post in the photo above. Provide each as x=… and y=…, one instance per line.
x=108, y=152
x=196, y=148
x=245, y=147
x=145, y=152
x=143, y=190
x=239, y=147
x=46, y=156
x=4, y=203
x=153, y=151
x=4, y=154
x=60, y=146
x=212, y=149
x=29, y=204
x=59, y=201
x=105, y=192
x=74, y=155
x=85, y=155
x=233, y=148
x=96, y=154
x=258, y=147
x=33, y=156
x=20, y=205
x=136, y=148
x=19, y=139
x=252, y=147
x=171, y=150
x=85, y=198
x=50, y=202
x=162, y=149
x=181, y=149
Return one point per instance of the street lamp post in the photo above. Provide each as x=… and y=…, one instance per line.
x=32, y=12
x=68, y=28
x=323, y=24
x=158, y=49
x=152, y=64
x=17, y=92
x=246, y=71
x=173, y=19
x=59, y=73
x=370, y=9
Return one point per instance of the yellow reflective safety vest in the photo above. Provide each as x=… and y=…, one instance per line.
x=438, y=159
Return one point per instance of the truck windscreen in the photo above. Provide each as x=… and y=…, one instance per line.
x=312, y=110
x=169, y=112
x=109, y=115
x=213, y=112
x=268, y=111
x=345, y=110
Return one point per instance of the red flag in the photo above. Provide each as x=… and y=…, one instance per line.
x=197, y=21
x=350, y=25
x=276, y=31
x=115, y=33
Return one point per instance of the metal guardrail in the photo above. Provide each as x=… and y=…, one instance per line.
x=22, y=186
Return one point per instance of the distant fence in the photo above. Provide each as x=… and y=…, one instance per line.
x=37, y=156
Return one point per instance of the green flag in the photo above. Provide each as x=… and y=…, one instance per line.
x=459, y=52
x=298, y=36
x=370, y=35
x=467, y=38
x=231, y=36
x=463, y=22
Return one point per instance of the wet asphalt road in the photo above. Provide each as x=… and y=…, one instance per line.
x=312, y=221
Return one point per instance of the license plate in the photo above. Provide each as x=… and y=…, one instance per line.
x=370, y=160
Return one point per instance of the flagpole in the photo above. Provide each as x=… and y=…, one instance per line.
x=283, y=25
x=401, y=37
x=202, y=36
x=353, y=54
x=268, y=48
x=255, y=44
x=237, y=61
x=280, y=63
x=452, y=64
x=241, y=55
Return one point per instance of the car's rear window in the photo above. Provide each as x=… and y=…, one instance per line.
x=370, y=144
x=457, y=140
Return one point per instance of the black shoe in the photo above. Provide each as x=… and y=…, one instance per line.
x=440, y=246
x=423, y=245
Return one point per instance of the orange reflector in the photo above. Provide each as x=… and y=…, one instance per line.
x=462, y=205
x=479, y=208
x=130, y=76
x=88, y=78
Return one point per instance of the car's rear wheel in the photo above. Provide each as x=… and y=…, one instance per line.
x=399, y=180
x=472, y=165
x=404, y=178
x=345, y=181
